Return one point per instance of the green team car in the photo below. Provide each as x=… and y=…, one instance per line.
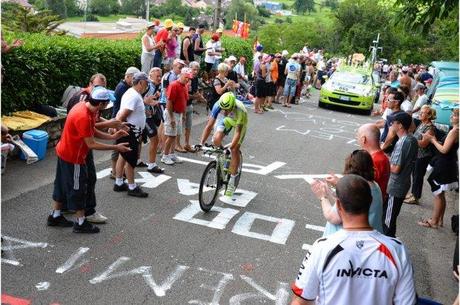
x=350, y=87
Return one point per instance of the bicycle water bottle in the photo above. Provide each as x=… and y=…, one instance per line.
x=227, y=162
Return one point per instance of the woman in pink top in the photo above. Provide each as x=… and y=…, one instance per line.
x=171, y=46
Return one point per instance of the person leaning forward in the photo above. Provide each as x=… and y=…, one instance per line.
x=77, y=139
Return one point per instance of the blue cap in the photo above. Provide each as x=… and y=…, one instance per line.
x=259, y=48
x=101, y=94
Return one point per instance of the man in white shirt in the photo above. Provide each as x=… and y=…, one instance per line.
x=132, y=111
x=356, y=265
x=240, y=71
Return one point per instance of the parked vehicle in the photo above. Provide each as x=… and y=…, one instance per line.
x=350, y=87
x=444, y=89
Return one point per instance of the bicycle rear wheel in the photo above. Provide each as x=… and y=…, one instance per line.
x=210, y=185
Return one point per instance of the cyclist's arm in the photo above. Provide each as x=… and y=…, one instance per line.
x=207, y=130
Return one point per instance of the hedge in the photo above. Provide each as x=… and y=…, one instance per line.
x=41, y=70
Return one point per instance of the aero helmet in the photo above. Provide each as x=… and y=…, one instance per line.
x=227, y=101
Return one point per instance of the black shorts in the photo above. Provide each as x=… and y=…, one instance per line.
x=70, y=185
x=270, y=89
x=208, y=67
x=261, y=90
x=151, y=128
x=133, y=138
x=280, y=82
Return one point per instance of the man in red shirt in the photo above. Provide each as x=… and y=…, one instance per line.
x=77, y=139
x=368, y=137
x=176, y=104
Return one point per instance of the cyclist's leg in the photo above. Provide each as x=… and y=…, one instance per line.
x=219, y=132
x=235, y=162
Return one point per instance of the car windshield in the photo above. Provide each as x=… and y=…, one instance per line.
x=347, y=77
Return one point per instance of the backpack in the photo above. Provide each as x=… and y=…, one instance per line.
x=165, y=80
x=68, y=93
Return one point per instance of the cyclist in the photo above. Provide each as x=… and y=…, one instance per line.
x=226, y=114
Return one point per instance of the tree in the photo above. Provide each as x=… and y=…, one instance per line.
x=421, y=14
x=135, y=7
x=58, y=7
x=17, y=18
x=332, y=4
x=302, y=6
x=103, y=7
x=263, y=12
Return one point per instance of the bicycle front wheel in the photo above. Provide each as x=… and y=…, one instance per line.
x=210, y=185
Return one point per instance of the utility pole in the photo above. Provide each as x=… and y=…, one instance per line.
x=147, y=13
x=217, y=15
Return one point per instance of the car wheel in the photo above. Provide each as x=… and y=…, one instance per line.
x=321, y=104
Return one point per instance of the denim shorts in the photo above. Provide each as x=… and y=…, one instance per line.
x=290, y=87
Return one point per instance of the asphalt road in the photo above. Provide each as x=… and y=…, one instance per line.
x=164, y=250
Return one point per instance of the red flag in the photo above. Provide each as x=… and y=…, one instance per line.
x=245, y=33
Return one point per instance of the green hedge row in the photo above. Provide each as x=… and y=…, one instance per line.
x=40, y=70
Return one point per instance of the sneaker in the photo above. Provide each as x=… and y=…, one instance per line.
x=175, y=159
x=270, y=107
x=167, y=160
x=230, y=190
x=60, y=221
x=96, y=218
x=138, y=192
x=141, y=163
x=120, y=188
x=156, y=170
x=85, y=227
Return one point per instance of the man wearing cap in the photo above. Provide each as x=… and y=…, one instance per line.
x=197, y=41
x=97, y=80
x=132, y=111
x=187, y=50
x=211, y=53
x=71, y=183
x=176, y=104
x=401, y=164
x=162, y=38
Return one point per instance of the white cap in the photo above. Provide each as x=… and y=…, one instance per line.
x=232, y=58
x=284, y=53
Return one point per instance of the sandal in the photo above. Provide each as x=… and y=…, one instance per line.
x=189, y=148
x=427, y=224
x=180, y=149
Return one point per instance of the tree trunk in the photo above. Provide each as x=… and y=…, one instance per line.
x=217, y=15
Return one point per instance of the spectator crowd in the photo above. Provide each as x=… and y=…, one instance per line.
x=155, y=105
